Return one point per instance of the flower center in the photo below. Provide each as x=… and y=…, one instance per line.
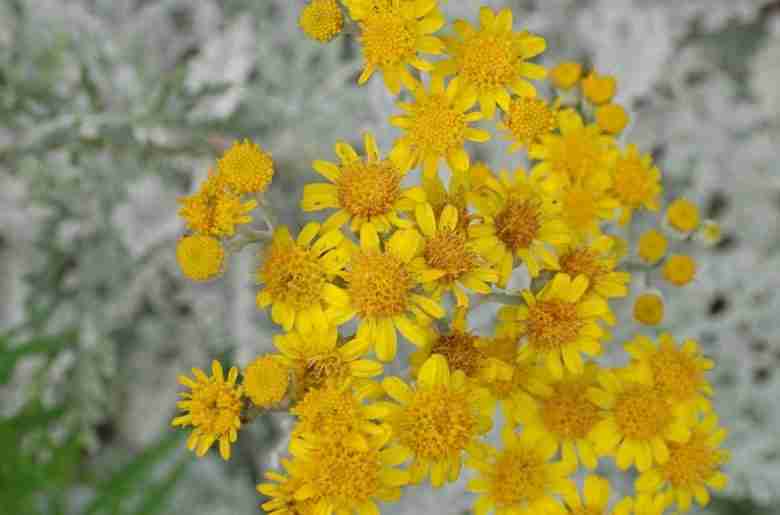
x=518, y=475
x=641, y=412
x=347, y=475
x=447, y=251
x=552, y=324
x=675, y=373
x=322, y=20
x=293, y=275
x=518, y=224
x=437, y=127
x=568, y=413
x=488, y=62
x=330, y=410
x=266, y=381
x=379, y=285
x=632, y=182
x=322, y=368
x=529, y=118
x=437, y=423
x=690, y=463
x=577, y=154
x=215, y=408
x=579, y=208
x=387, y=38
x=368, y=189
x=583, y=261
x=460, y=351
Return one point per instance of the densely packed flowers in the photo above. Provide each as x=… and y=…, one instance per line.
x=406, y=251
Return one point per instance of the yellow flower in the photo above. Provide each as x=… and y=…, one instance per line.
x=339, y=478
x=200, y=257
x=282, y=493
x=215, y=209
x=245, y=168
x=363, y=189
x=448, y=261
x=436, y=126
x=559, y=323
x=321, y=20
x=612, y=118
x=213, y=408
x=586, y=203
x=437, y=420
x=491, y=60
x=599, y=89
x=710, y=233
x=527, y=119
x=380, y=286
x=317, y=357
x=564, y=415
x=683, y=215
x=692, y=468
x=519, y=219
x=679, y=270
x=677, y=371
x=652, y=246
x=266, y=380
x=596, y=499
x=520, y=478
x=649, y=308
x=597, y=261
x=635, y=182
x=566, y=74
x=297, y=276
x=392, y=33
x=639, y=423
x=459, y=190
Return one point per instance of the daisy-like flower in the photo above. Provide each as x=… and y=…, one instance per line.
x=448, y=261
x=586, y=204
x=200, y=257
x=380, y=287
x=635, y=183
x=437, y=420
x=266, y=380
x=245, y=168
x=520, y=478
x=559, y=323
x=492, y=60
x=317, y=357
x=519, y=219
x=392, y=34
x=564, y=415
x=595, y=500
x=281, y=489
x=321, y=20
x=436, y=126
x=213, y=407
x=363, y=189
x=215, y=209
x=640, y=423
x=677, y=371
x=527, y=119
x=297, y=276
x=596, y=260
x=692, y=469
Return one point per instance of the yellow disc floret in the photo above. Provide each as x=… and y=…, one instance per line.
x=612, y=118
x=321, y=20
x=527, y=120
x=518, y=224
x=652, y=246
x=200, y=257
x=683, y=215
x=379, y=284
x=367, y=189
x=599, y=89
x=266, y=380
x=566, y=74
x=641, y=412
x=215, y=209
x=245, y=168
x=649, y=308
x=679, y=269
x=636, y=182
x=292, y=274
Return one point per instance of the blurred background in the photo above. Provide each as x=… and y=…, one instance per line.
x=112, y=109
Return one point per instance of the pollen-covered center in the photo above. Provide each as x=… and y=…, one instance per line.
x=690, y=464
x=578, y=154
x=488, y=62
x=368, y=189
x=328, y=367
x=676, y=373
x=379, y=284
x=460, y=350
x=518, y=475
x=214, y=407
x=330, y=410
x=582, y=261
x=293, y=275
x=552, y=324
x=529, y=118
x=388, y=38
x=569, y=413
x=587, y=510
x=437, y=127
x=447, y=251
x=518, y=224
x=632, y=182
x=345, y=473
x=580, y=207
x=641, y=412
x=437, y=423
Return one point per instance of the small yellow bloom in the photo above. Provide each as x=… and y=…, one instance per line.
x=527, y=119
x=683, y=215
x=612, y=118
x=215, y=209
x=597, y=261
x=679, y=270
x=213, y=407
x=245, y=168
x=281, y=489
x=635, y=183
x=649, y=308
x=321, y=20
x=599, y=89
x=200, y=257
x=266, y=380
x=652, y=246
x=710, y=233
x=566, y=74
x=586, y=203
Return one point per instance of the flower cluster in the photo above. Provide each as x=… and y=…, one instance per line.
x=396, y=262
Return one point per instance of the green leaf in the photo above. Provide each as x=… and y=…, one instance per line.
x=155, y=498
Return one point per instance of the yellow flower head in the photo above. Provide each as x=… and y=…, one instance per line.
x=215, y=209
x=281, y=489
x=363, y=189
x=595, y=500
x=436, y=126
x=679, y=270
x=519, y=219
x=321, y=20
x=317, y=358
x=457, y=192
x=635, y=182
x=297, y=276
x=200, y=257
x=586, y=203
x=520, y=478
x=599, y=89
x=437, y=420
x=213, y=407
x=683, y=215
x=612, y=118
x=710, y=233
x=381, y=285
x=559, y=323
x=692, y=469
x=652, y=246
x=597, y=261
x=266, y=380
x=245, y=168
x=564, y=415
x=649, y=308
x=566, y=74
x=527, y=119
x=392, y=33
x=492, y=60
